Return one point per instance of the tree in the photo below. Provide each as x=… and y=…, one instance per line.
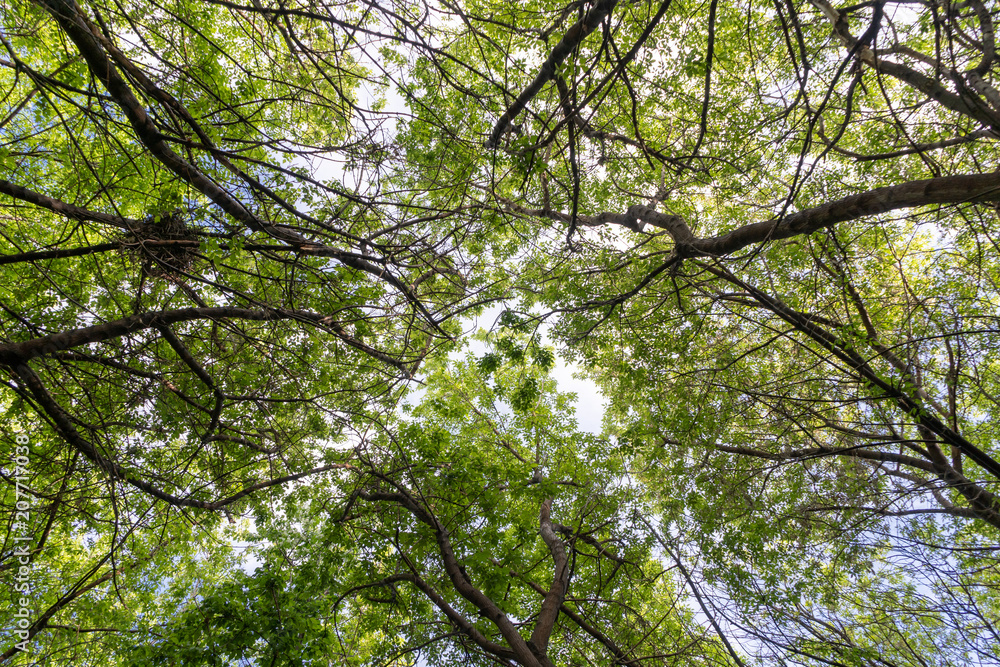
x=425, y=549
x=236, y=235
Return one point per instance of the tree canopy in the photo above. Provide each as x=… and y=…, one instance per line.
x=286, y=288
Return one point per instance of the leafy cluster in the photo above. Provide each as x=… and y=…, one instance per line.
x=244, y=247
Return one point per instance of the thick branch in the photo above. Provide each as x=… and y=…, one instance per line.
x=12, y=354
x=942, y=190
x=959, y=189
x=71, y=19
x=908, y=404
x=929, y=86
x=621, y=656
x=560, y=581
x=457, y=619
x=73, y=22
x=64, y=426
x=459, y=579
x=62, y=208
x=815, y=452
x=984, y=503
x=576, y=34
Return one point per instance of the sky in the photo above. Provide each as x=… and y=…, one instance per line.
x=590, y=403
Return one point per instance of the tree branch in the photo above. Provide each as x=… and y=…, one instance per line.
x=460, y=580
x=576, y=34
x=64, y=426
x=560, y=580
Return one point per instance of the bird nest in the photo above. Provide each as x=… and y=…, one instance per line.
x=164, y=244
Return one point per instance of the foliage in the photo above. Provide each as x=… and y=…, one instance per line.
x=243, y=246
